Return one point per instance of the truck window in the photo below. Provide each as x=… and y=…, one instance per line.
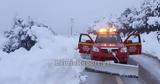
x=108, y=39
x=84, y=38
x=134, y=38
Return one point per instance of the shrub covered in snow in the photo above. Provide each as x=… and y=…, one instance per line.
x=21, y=35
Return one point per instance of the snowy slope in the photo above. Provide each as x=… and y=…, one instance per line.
x=36, y=66
x=150, y=44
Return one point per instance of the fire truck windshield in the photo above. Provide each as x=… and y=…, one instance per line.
x=108, y=39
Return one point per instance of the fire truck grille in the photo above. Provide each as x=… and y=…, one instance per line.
x=111, y=50
x=114, y=50
x=104, y=50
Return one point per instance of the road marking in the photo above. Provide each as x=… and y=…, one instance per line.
x=119, y=80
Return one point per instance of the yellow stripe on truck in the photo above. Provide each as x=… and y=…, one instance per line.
x=86, y=43
x=93, y=43
x=133, y=44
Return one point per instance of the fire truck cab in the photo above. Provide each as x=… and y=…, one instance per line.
x=108, y=45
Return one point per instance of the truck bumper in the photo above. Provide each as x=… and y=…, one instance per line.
x=99, y=56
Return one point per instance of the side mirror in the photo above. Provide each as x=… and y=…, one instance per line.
x=89, y=41
x=129, y=41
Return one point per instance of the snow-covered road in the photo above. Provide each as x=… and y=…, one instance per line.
x=149, y=68
x=102, y=78
x=147, y=72
x=99, y=78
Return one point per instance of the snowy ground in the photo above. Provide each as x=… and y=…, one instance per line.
x=36, y=66
x=150, y=44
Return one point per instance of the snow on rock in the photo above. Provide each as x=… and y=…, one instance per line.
x=37, y=65
x=150, y=44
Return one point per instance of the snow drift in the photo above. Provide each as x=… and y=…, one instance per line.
x=36, y=66
x=150, y=44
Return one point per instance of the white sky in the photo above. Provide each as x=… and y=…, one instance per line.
x=57, y=13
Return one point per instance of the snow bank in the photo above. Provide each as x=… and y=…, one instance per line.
x=150, y=44
x=36, y=66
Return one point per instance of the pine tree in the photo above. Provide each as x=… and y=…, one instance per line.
x=20, y=35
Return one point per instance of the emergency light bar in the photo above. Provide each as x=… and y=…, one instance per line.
x=107, y=31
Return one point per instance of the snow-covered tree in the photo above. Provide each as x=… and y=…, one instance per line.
x=128, y=17
x=145, y=18
x=90, y=30
x=21, y=35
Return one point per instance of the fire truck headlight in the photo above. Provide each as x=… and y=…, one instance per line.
x=95, y=49
x=124, y=49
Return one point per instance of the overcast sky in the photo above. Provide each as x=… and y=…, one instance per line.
x=57, y=13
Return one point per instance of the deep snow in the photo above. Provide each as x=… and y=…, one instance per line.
x=36, y=66
x=150, y=44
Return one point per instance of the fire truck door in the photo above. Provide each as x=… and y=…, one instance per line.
x=85, y=43
x=133, y=44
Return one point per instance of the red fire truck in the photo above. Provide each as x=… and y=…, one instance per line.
x=108, y=45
